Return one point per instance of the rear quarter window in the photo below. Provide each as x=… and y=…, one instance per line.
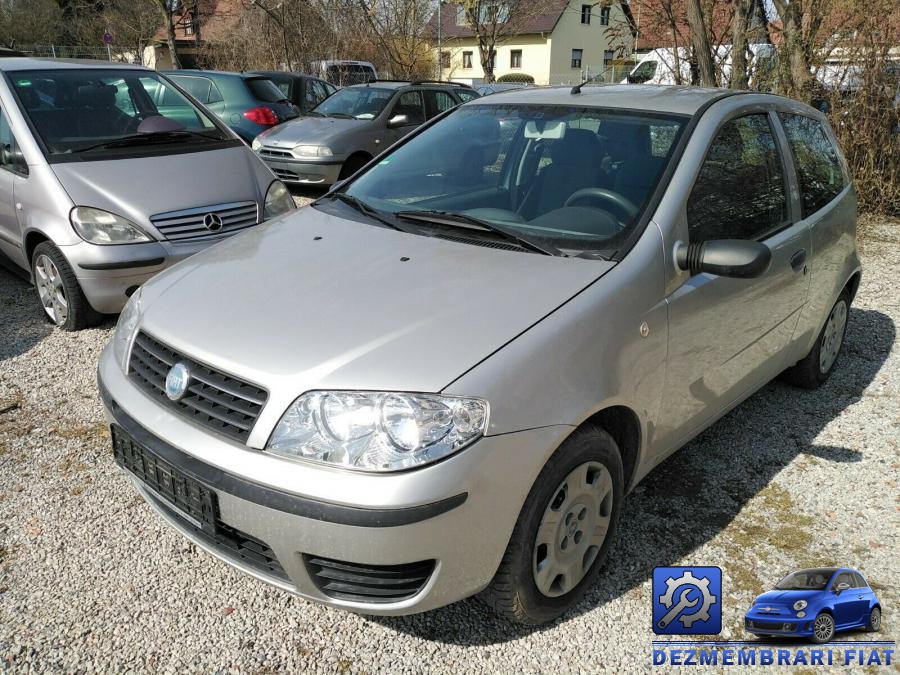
x=819, y=168
x=263, y=89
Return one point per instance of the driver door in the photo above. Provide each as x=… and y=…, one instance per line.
x=727, y=337
x=411, y=104
x=12, y=171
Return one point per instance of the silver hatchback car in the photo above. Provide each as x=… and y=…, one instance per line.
x=443, y=377
x=101, y=188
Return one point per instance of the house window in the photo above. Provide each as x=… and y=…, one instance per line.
x=189, y=28
x=604, y=16
x=586, y=15
x=576, y=58
x=467, y=59
x=608, y=55
x=445, y=60
x=515, y=58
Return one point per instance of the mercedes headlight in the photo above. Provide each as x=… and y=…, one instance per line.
x=377, y=431
x=800, y=604
x=102, y=227
x=312, y=151
x=278, y=200
x=126, y=328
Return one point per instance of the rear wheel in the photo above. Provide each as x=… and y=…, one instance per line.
x=874, y=624
x=62, y=299
x=563, y=532
x=816, y=366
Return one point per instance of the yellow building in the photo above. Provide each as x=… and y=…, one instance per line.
x=563, y=42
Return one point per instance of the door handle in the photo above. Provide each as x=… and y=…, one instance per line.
x=798, y=260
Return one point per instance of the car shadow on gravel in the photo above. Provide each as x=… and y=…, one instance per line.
x=691, y=497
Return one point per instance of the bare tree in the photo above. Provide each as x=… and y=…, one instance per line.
x=400, y=29
x=800, y=24
x=167, y=9
x=29, y=22
x=132, y=23
x=739, y=26
x=494, y=22
x=700, y=42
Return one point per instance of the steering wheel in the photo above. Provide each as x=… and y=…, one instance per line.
x=607, y=196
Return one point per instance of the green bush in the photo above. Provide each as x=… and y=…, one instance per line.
x=517, y=78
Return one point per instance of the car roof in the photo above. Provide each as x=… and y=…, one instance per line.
x=212, y=73
x=27, y=63
x=658, y=98
x=400, y=84
x=282, y=73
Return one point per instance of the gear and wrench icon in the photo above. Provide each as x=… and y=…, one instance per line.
x=688, y=579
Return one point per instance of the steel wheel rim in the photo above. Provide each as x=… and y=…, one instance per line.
x=51, y=290
x=875, y=619
x=823, y=627
x=572, y=529
x=833, y=337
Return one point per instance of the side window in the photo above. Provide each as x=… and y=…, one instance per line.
x=442, y=101
x=818, y=165
x=123, y=98
x=215, y=96
x=320, y=90
x=842, y=578
x=310, y=95
x=466, y=94
x=860, y=582
x=10, y=157
x=198, y=87
x=739, y=192
x=412, y=105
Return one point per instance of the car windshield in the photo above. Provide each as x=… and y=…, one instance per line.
x=805, y=580
x=575, y=178
x=362, y=103
x=95, y=111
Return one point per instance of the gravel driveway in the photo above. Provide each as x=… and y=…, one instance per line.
x=90, y=579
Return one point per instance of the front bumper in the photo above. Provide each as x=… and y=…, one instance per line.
x=455, y=517
x=775, y=624
x=301, y=172
x=108, y=275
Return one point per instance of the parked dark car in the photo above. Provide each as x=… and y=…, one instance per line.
x=344, y=132
x=304, y=91
x=247, y=102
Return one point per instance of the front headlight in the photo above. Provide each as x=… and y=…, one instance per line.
x=278, y=200
x=800, y=604
x=312, y=151
x=126, y=328
x=256, y=144
x=377, y=431
x=102, y=227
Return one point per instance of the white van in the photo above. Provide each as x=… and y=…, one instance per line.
x=660, y=65
x=343, y=72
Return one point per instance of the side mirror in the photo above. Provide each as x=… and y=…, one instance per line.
x=12, y=157
x=398, y=121
x=737, y=258
x=842, y=587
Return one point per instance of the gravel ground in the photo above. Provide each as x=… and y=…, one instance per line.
x=91, y=580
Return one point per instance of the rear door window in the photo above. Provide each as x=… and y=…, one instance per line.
x=198, y=87
x=739, y=192
x=440, y=101
x=818, y=164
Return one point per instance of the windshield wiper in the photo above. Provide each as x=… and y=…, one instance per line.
x=148, y=139
x=472, y=223
x=365, y=209
x=343, y=116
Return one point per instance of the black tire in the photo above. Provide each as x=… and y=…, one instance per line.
x=874, y=624
x=824, y=636
x=514, y=593
x=78, y=312
x=808, y=372
x=352, y=165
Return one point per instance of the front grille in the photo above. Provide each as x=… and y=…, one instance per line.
x=284, y=174
x=189, y=223
x=271, y=152
x=213, y=399
x=767, y=625
x=231, y=543
x=368, y=583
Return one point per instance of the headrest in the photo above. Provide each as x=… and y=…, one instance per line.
x=579, y=147
x=97, y=96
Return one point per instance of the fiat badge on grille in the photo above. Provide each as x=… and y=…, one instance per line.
x=177, y=381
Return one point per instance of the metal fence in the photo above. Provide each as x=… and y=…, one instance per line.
x=99, y=52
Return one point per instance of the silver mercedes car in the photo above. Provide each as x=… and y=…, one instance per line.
x=443, y=377
x=110, y=173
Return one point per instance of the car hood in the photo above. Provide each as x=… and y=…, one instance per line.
x=777, y=597
x=190, y=179
x=312, y=130
x=312, y=301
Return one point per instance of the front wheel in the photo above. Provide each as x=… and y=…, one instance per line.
x=60, y=294
x=823, y=629
x=563, y=532
x=874, y=624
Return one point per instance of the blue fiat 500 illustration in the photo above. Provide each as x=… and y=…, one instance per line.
x=815, y=603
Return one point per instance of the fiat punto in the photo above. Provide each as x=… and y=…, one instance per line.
x=443, y=377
